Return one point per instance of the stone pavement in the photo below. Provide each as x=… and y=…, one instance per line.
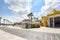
x=8, y=36
x=32, y=34
x=47, y=30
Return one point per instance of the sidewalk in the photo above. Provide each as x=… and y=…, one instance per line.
x=46, y=29
x=41, y=29
x=50, y=30
x=8, y=36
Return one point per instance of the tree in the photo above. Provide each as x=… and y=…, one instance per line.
x=4, y=21
x=30, y=15
x=0, y=19
x=35, y=18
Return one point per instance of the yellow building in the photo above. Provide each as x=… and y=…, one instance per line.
x=52, y=19
x=44, y=21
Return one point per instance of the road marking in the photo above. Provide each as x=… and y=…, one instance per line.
x=56, y=37
x=48, y=37
x=45, y=37
x=51, y=37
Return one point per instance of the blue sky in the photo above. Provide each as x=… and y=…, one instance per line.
x=4, y=11
x=16, y=10
x=36, y=6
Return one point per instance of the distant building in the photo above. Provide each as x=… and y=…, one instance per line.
x=27, y=23
x=5, y=22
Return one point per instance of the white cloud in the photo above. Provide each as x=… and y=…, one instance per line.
x=20, y=7
x=49, y=5
x=23, y=7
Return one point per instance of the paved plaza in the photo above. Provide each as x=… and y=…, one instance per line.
x=7, y=36
x=7, y=33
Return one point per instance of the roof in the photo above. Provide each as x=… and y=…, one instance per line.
x=26, y=20
x=31, y=22
x=54, y=12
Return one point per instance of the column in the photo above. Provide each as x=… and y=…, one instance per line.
x=53, y=22
x=48, y=22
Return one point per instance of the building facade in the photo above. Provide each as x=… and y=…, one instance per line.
x=52, y=19
x=27, y=23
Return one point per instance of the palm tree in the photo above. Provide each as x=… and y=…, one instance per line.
x=4, y=21
x=35, y=18
x=0, y=19
x=30, y=15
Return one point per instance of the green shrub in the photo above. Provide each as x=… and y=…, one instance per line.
x=35, y=26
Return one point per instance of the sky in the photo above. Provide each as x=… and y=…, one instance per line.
x=17, y=10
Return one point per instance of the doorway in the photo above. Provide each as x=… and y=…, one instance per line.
x=51, y=22
x=57, y=21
